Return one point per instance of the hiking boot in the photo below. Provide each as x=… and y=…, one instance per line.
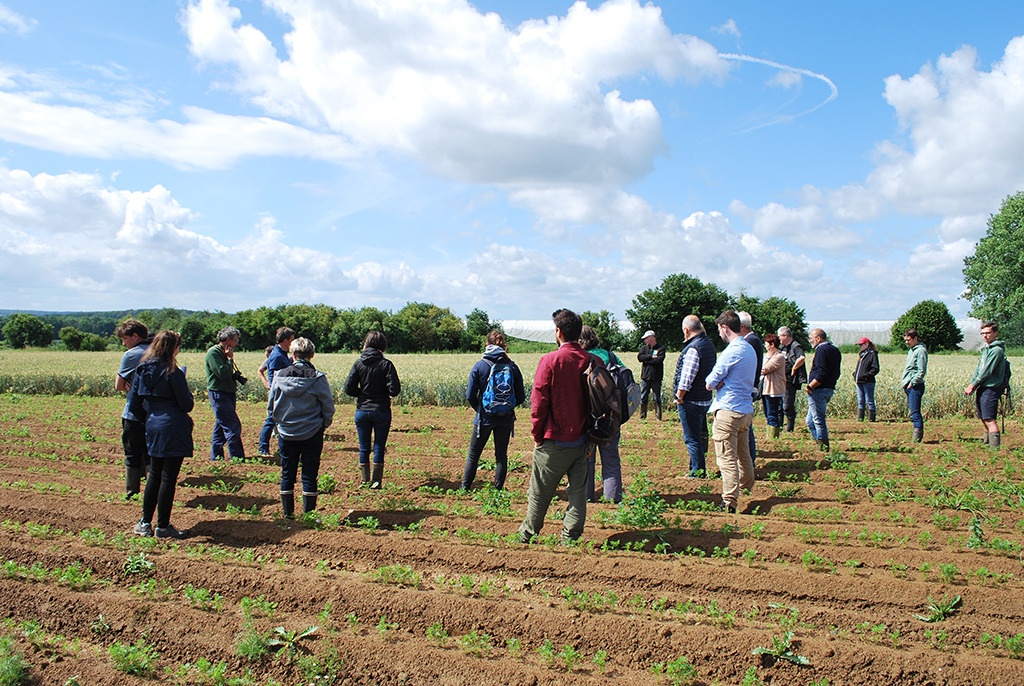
x=871, y=415
x=860, y=414
x=143, y=529
x=726, y=507
x=170, y=532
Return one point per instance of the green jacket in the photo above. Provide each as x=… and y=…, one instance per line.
x=219, y=371
x=991, y=370
x=917, y=366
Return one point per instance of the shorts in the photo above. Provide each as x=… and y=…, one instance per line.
x=986, y=401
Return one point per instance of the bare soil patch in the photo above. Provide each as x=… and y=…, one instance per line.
x=419, y=585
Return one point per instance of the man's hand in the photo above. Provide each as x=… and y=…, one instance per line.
x=969, y=389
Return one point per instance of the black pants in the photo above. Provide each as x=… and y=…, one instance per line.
x=477, y=442
x=789, y=403
x=159, y=494
x=306, y=453
x=133, y=438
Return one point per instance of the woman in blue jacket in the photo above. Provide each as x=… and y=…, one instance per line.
x=494, y=398
x=161, y=394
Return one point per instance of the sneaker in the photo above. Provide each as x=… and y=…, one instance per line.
x=143, y=529
x=170, y=532
x=264, y=455
x=722, y=507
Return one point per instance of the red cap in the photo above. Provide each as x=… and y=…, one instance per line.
x=863, y=341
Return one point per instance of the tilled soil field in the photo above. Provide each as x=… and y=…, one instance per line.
x=835, y=561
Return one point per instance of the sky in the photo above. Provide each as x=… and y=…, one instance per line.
x=515, y=156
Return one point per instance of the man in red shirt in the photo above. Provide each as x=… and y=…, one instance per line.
x=558, y=411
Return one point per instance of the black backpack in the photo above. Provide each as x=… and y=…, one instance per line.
x=629, y=389
x=604, y=402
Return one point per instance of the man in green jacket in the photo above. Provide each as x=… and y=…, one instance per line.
x=913, y=380
x=989, y=381
x=222, y=378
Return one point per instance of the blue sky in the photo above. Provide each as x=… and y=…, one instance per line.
x=511, y=156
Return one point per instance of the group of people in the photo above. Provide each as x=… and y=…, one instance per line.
x=157, y=426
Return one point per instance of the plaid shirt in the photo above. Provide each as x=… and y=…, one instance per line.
x=691, y=363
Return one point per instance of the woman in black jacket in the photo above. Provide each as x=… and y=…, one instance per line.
x=373, y=382
x=864, y=376
x=160, y=394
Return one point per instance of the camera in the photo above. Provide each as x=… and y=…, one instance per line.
x=237, y=376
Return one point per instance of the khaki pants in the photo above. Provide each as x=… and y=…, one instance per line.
x=730, y=432
x=550, y=463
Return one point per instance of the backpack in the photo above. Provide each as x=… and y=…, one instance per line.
x=604, y=402
x=499, y=397
x=629, y=389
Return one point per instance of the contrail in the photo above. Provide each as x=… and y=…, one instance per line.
x=833, y=94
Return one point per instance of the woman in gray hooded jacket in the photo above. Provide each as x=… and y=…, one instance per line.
x=302, y=405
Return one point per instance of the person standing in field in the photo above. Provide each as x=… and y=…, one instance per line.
x=652, y=371
x=161, y=394
x=611, y=463
x=989, y=381
x=302, y=407
x=690, y=393
x=558, y=414
x=773, y=387
x=796, y=374
x=864, y=376
x=494, y=390
x=732, y=379
x=821, y=385
x=222, y=379
x=135, y=337
x=913, y=380
x=373, y=382
x=277, y=360
x=747, y=331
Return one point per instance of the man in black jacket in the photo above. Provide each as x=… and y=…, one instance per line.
x=821, y=385
x=652, y=357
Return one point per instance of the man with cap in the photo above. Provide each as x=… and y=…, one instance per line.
x=652, y=357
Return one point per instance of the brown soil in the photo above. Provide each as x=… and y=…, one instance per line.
x=842, y=562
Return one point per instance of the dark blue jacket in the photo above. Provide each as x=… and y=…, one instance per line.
x=478, y=384
x=165, y=401
x=826, y=365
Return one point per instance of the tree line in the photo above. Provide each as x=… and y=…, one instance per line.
x=425, y=327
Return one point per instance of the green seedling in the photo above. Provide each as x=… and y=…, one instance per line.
x=138, y=659
x=939, y=610
x=287, y=642
x=679, y=672
x=782, y=649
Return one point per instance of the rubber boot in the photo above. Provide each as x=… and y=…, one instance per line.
x=918, y=435
x=364, y=473
x=790, y=425
x=378, y=476
x=871, y=415
x=657, y=411
x=823, y=446
x=309, y=502
x=132, y=481
x=860, y=414
x=643, y=410
x=288, y=504
x=994, y=440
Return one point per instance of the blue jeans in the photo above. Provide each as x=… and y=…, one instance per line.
x=227, y=428
x=372, y=427
x=266, y=432
x=866, y=396
x=307, y=453
x=914, y=396
x=611, y=469
x=817, y=405
x=694, y=419
x=772, y=409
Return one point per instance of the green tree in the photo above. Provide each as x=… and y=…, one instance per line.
x=935, y=326
x=425, y=327
x=606, y=326
x=769, y=314
x=23, y=330
x=94, y=342
x=663, y=308
x=71, y=338
x=994, y=274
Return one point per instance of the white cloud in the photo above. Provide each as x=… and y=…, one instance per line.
x=12, y=22
x=966, y=143
x=457, y=90
x=808, y=226
x=729, y=28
